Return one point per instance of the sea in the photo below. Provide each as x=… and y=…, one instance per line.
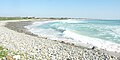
x=104, y=34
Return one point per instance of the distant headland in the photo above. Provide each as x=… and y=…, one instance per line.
x=20, y=18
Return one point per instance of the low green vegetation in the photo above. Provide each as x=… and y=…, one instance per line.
x=15, y=18
x=3, y=52
x=22, y=18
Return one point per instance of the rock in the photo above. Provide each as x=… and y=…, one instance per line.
x=9, y=58
x=4, y=58
x=73, y=44
x=93, y=47
x=62, y=42
x=68, y=59
x=112, y=57
x=118, y=58
x=16, y=57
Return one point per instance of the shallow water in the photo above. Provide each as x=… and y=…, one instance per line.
x=104, y=34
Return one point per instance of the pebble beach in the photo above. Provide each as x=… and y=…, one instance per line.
x=15, y=37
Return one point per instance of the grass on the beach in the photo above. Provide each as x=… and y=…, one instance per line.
x=3, y=52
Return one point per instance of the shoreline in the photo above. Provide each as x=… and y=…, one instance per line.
x=19, y=27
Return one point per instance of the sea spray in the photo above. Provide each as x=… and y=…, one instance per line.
x=104, y=34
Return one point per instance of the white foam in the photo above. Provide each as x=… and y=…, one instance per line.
x=63, y=21
x=45, y=22
x=78, y=39
x=101, y=44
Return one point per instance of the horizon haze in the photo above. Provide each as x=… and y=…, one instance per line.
x=97, y=9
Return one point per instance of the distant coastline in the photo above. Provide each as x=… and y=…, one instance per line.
x=49, y=18
x=20, y=18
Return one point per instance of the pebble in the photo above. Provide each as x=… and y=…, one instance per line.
x=4, y=58
x=16, y=57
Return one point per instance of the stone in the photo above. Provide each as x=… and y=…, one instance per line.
x=4, y=58
x=62, y=42
x=93, y=47
x=16, y=57
x=9, y=58
x=68, y=59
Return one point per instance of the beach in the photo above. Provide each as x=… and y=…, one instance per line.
x=15, y=37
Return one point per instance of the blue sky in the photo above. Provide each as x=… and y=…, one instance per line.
x=104, y=9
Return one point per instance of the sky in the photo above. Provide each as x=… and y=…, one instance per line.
x=100, y=9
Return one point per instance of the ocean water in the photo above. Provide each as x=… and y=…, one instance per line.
x=104, y=34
